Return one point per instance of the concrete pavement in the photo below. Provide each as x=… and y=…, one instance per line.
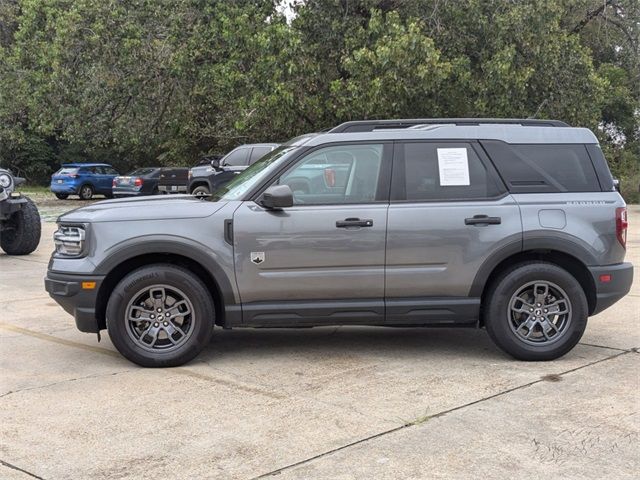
x=320, y=403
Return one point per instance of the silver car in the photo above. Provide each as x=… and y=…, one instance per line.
x=514, y=226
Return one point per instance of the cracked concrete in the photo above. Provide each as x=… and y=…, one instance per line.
x=323, y=403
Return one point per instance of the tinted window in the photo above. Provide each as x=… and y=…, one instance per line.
x=543, y=168
x=67, y=171
x=236, y=158
x=257, y=153
x=440, y=172
x=338, y=174
x=109, y=171
x=142, y=171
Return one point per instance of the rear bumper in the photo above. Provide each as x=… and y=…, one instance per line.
x=608, y=293
x=67, y=290
x=172, y=188
x=64, y=188
x=126, y=192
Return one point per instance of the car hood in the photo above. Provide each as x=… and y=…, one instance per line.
x=161, y=207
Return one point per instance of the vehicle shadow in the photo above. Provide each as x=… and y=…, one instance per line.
x=377, y=342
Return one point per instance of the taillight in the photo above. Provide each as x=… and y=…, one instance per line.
x=113, y=183
x=622, y=225
x=138, y=182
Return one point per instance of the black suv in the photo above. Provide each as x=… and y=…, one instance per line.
x=204, y=179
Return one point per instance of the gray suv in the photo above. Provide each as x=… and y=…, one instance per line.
x=510, y=225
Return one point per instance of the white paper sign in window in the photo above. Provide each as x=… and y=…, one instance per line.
x=453, y=167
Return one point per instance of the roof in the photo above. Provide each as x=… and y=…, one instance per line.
x=370, y=125
x=509, y=133
x=259, y=145
x=86, y=165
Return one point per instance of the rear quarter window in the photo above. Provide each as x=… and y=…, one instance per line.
x=537, y=168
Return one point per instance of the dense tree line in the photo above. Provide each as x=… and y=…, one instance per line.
x=140, y=82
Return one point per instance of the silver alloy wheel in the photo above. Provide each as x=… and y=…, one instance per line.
x=86, y=192
x=539, y=313
x=159, y=318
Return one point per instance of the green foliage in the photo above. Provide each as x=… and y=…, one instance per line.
x=142, y=82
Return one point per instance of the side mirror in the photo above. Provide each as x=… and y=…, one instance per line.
x=215, y=164
x=277, y=197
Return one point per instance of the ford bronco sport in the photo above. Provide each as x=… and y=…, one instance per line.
x=510, y=225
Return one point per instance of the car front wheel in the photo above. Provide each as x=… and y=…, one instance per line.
x=536, y=311
x=160, y=316
x=200, y=191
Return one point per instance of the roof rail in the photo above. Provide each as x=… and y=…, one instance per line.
x=370, y=125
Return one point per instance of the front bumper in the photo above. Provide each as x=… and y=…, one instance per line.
x=619, y=284
x=66, y=289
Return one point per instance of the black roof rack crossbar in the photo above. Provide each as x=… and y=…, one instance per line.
x=370, y=125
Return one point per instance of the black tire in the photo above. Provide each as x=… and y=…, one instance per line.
x=123, y=335
x=200, y=191
x=503, y=329
x=62, y=196
x=21, y=234
x=85, y=192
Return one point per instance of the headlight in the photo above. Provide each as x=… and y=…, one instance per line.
x=5, y=180
x=69, y=241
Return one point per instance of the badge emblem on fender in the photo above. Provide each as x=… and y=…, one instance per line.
x=257, y=257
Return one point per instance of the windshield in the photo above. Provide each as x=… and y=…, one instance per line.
x=241, y=184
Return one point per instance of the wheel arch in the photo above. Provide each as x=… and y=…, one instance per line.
x=121, y=263
x=199, y=183
x=570, y=263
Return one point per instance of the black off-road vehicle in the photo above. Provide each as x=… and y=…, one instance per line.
x=19, y=218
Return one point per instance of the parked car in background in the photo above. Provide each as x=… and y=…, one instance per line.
x=143, y=181
x=173, y=180
x=204, y=179
x=84, y=180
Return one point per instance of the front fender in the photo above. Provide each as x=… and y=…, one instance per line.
x=218, y=264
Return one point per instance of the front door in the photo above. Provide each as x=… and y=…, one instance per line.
x=449, y=213
x=322, y=260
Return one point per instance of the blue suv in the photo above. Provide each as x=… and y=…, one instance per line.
x=83, y=179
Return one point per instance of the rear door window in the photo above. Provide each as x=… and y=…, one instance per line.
x=539, y=168
x=434, y=171
x=237, y=157
x=257, y=153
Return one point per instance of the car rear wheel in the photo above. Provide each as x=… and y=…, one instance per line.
x=201, y=191
x=160, y=316
x=86, y=192
x=21, y=232
x=536, y=311
x=62, y=196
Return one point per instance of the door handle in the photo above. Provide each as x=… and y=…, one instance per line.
x=354, y=222
x=483, y=220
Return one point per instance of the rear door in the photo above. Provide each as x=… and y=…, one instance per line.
x=321, y=260
x=449, y=213
x=258, y=152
